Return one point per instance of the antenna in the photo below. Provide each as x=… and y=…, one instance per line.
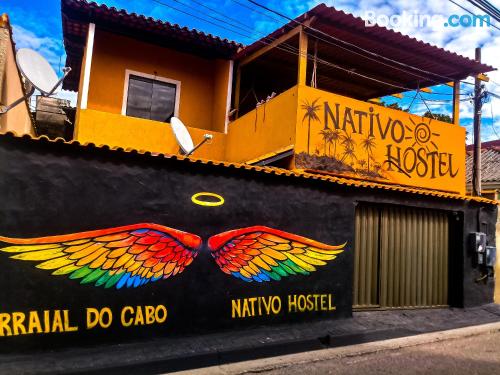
x=183, y=137
x=38, y=75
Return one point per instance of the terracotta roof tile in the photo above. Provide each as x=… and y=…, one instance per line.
x=76, y=15
x=488, y=144
x=350, y=35
x=267, y=170
x=490, y=165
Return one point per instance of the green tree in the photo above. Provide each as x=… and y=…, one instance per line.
x=439, y=117
x=311, y=115
x=393, y=106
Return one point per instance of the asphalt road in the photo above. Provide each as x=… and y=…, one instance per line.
x=470, y=355
x=468, y=350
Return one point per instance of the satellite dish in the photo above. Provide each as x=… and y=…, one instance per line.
x=37, y=71
x=183, y=137
x=38, y=75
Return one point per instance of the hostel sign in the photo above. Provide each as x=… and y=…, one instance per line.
x=347, y=136
x=193, y=253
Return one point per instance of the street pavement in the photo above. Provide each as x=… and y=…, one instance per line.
x=337, y=339
x=471, y=355
x=471, y=350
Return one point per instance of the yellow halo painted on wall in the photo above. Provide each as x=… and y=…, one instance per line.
x=200, y=199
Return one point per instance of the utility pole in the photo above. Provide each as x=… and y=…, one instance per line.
x=478, y=96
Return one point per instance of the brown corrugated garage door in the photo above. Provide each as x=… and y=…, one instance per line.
x=401, y=257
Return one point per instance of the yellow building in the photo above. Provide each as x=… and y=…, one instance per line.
x=18, y=119
x=298, y=98
x=308, y=190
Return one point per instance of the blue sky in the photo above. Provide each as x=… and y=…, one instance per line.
x=37, y=25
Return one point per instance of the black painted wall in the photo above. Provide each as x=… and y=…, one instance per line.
x=53, y=188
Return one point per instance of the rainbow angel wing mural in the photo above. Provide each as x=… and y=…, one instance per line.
x=127, y=256
x=134, y=255
x=263, y=254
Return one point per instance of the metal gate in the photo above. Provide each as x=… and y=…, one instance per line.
x=401, y=257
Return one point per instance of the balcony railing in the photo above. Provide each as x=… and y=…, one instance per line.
x=336, y=134
x=328, y=133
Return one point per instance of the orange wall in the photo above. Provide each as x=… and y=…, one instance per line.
x=431, y=153
x=220, y=93
x=277, y=124
x=266, y=129
x=18, y=119
x=203, y=81
x=79, y=97
x=115, y=130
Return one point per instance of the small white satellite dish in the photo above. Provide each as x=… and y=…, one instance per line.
x=37, y=70
x=183, y=137
x=38, y=75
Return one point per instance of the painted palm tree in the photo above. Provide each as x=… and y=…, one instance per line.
x=349, y=153
x=311, y=115
x=335, y=136
x=348, y=140
x=329, y=140
x=362, y=163
x=368, y=145
x=349, y=144
x=325, y=134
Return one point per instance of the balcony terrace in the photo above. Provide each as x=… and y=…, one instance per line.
x=303, y=97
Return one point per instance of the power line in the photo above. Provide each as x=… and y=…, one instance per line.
x=490, y=6
x=198, y=18
x=493, y=82
x=368, y=57
x=375, y=55
x=290, y=48
x=403, y=88
x=256, y=10
x=493, y=120
x=377, y=60
x=486, y=7
x=238, y=24
x=216, y=19
x=470, y=12
x=286, y=47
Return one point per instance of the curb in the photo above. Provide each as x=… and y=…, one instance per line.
x=273, y=363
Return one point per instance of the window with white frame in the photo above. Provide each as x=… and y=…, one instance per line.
x=150, y=97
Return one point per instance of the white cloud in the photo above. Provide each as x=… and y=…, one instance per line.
x=68, y=95
x=50, y=48
x=457, y=39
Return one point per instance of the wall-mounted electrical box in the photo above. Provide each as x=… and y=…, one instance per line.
x=478, y=247
x=491, y=256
